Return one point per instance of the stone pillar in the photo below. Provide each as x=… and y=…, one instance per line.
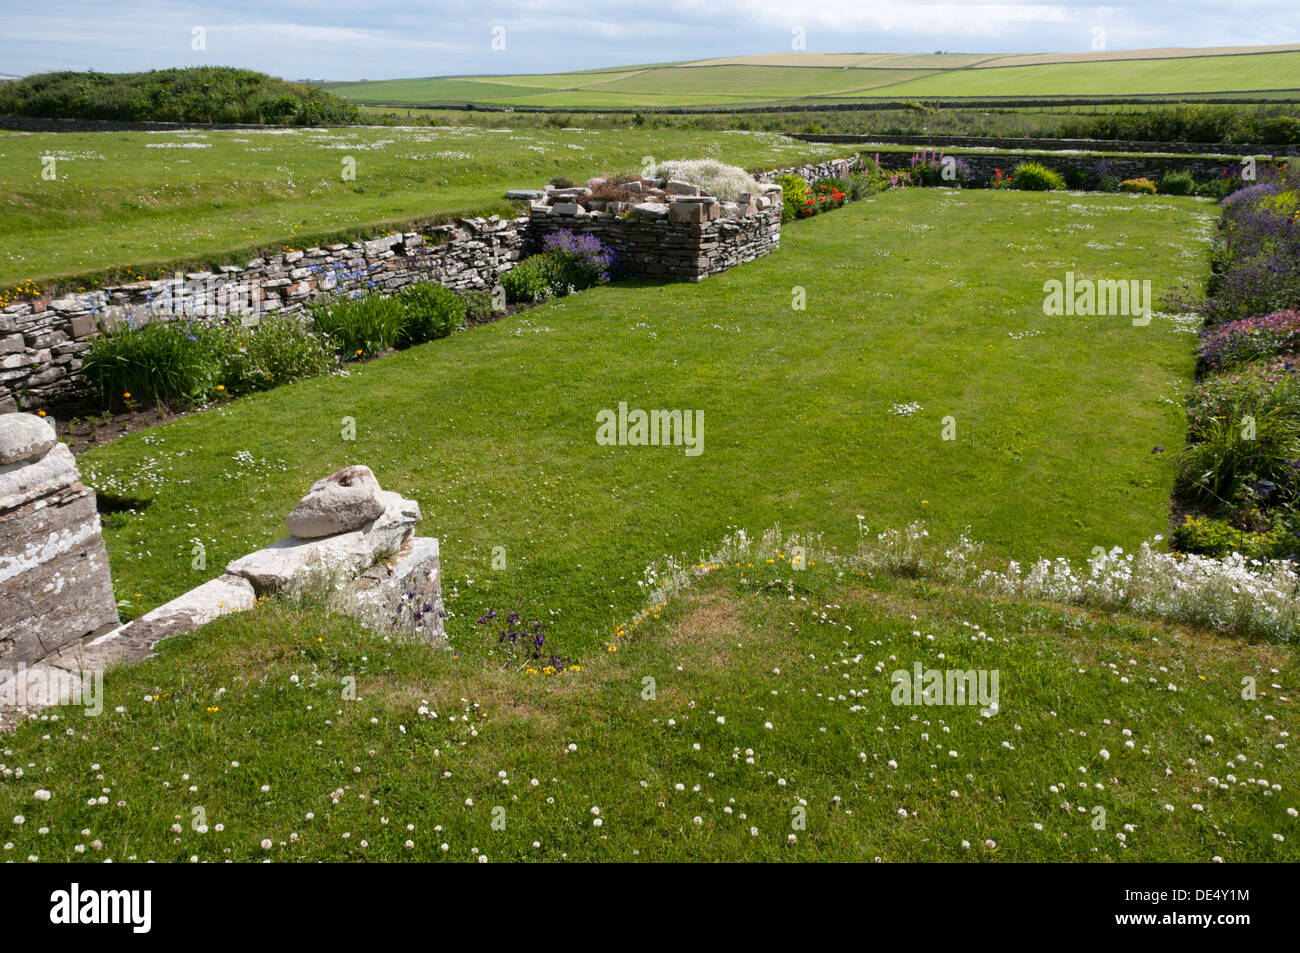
x=55, y=587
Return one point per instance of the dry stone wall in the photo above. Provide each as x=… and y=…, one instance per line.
x=41, y=342
x=676, y=233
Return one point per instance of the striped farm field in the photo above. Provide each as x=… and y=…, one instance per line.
x=821, y=77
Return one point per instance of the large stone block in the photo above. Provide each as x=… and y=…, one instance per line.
x=55, y=586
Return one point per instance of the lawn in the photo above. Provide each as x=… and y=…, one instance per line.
x=921, y=305
x=751, y=719
x=143, y=201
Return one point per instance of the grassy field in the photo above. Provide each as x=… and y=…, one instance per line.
x=807, y=423
x=752, y=714
x=848, y=77
x=142, y=201
x=751, y=719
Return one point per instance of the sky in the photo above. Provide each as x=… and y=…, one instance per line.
x=352, y=39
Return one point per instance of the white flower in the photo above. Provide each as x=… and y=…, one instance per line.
x=42, y=795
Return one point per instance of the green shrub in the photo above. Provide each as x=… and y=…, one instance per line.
x=1178, y=183
x=839, y=185
x=1036, y=177
x=1138, y=186
x=794, y=196
x=533, y=279
x=1218, y=538
x=431, y=312
x=478, y=306
x=275, y=351
x=191, y=94
x=1219, y=187
x=1076, y=180
x=861, y=184
x=360, y=326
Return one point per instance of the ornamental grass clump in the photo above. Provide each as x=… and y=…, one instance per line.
x=199, y=361
x=360, y=325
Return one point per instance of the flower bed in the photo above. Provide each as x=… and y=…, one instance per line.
x=1238, y=480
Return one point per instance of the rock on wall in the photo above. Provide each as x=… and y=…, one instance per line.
x=675, y=233
x=55, y=587
x=41, y=343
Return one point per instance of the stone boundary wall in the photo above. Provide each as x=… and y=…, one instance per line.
x=983, y=165
x=41, y=343
x=1122, y=167
x=1055, y=145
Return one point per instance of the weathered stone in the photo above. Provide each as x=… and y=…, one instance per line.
x=296, y=562
x=340, y=502
x=54, y=579
x=525, y=195
x=568, y=208
x=136, y=640
x=650, y=210
x=678, y=187
x=686, y=212
x=404, y=590
x=24, y=436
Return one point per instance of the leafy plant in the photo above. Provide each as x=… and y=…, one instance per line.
x=431, y=311
x=478, y=306
x=275, y=351
x=1236, y=452
x=1141, y=186
x=533, y=279
x=1036, y=177
x=159, y=360
x=1219, y=538
x=794, y=195
x=1178, y=183
x=361, y=325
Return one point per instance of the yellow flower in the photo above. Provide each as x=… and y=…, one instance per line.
x=221, y=387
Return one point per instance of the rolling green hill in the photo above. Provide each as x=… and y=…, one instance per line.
x=847, y=77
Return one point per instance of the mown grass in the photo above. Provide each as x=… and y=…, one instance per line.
x=749, y=719
x=134, y=203
x=920, y=297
